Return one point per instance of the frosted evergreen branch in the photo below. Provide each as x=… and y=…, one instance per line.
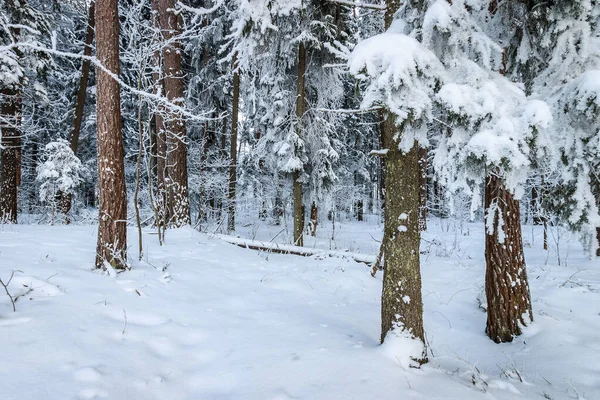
x=359, y=4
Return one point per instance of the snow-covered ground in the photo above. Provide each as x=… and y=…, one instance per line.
x=203, y=319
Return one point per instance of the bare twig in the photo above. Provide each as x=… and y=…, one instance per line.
x=12, y=300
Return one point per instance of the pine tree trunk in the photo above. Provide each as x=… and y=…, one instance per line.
x=297, y=175
x=112, y=220
x=233, y=148
x=177, y=179
x=506, y=285
x=401, y=300
x=11, y=135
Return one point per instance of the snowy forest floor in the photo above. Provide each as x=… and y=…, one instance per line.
x=203, y=319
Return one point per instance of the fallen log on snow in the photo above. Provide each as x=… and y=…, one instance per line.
x=296, y=250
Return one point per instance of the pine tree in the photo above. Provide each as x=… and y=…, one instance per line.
x=18, y=64
x=233, y=148
x=112, y=219
x=401, y=76
x=176, y=147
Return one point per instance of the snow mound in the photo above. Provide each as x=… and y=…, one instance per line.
x=401, y=347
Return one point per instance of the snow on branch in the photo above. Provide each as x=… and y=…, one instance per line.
x=359, y=4
x=200, y=12
x=163, y=101
x=295, y=250
x=347, y=111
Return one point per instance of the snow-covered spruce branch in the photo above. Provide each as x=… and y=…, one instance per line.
x=163, y=101
x=200, y=12
x=359, y=4
x=346, y=111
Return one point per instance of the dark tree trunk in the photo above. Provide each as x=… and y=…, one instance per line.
x=112, y=219
x=506, y=285
x=9, y=154
x=297, y=175
x=401, y=300
x=177, y=179
x=359, y=210
x=233, y=148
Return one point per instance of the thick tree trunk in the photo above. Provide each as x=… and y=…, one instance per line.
x=177, y=179
x=401, y=301
x=112, y=220
x=233, y=148
x=297, y=175
x=65, y=200
x=506, y=285
x=9, y=154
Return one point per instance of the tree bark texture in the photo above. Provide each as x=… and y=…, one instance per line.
x=297, y=175
x=112, y=220
x=233, y=149
x=506, y=285
x=401, y=300
x=177, y=179
x=9, y=154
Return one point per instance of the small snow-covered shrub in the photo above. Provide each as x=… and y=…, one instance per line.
x=59, y=174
